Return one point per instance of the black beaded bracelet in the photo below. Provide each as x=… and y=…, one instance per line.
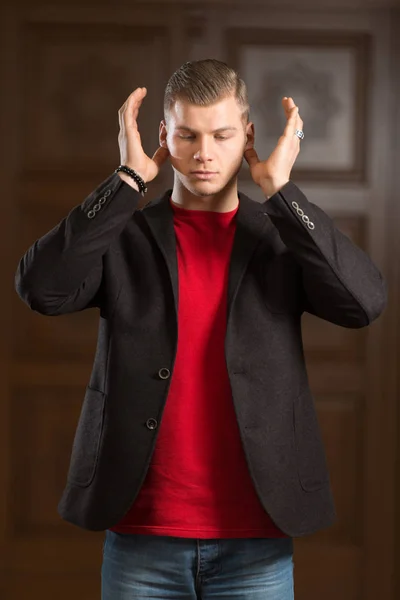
x=135, y=176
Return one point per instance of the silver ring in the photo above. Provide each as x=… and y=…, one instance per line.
x=299, y=133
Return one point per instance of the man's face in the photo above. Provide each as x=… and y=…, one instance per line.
x=206, y=143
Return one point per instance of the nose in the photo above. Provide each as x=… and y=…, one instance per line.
x=203, y=152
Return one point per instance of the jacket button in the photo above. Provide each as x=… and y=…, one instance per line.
x=151, y=423
x=164, y=373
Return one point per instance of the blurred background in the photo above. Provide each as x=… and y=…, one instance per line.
x=66, y=68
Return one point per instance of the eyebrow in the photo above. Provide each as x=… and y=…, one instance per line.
x=219, y=130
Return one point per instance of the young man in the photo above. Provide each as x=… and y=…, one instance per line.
x=198, y=449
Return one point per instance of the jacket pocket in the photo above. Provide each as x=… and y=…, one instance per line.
x=311, y=460
x=86, y=444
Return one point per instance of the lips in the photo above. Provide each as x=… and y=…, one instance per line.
x=203, y=175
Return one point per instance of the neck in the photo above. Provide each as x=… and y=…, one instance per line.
x=224, y=201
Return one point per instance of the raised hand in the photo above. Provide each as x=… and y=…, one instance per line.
x=272, y=174
x=130, y=145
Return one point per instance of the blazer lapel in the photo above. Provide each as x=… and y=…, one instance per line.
x=252, y=224
x=159, y=217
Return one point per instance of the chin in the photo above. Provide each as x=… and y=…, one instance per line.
x=204, y=191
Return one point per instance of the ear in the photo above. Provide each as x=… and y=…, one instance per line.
x=162, y=135
x=250, y=136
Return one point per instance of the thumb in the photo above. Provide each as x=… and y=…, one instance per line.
x=160, y=156
x=251, y=157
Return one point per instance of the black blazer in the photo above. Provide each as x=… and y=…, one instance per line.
x=287, y=258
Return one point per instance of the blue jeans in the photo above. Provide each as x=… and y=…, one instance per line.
x=149, y=566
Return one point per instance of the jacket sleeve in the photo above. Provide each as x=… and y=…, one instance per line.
x=62, y=271
x=340, y=282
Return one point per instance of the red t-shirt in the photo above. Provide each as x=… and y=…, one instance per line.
x=198, y=484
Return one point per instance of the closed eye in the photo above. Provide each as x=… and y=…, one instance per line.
x=192, y=137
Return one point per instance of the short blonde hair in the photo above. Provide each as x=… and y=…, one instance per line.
x=203, y=82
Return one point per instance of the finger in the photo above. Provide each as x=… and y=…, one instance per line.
x=129, y=100
x=132, y=105
x=128, y=113
x=120, y=115
x=291, y=124
x=288, y=104
x=122, y=110
x=138, y=103
x=251, y=157
x=138, y=93
x=160, y=156
x=299, y=126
